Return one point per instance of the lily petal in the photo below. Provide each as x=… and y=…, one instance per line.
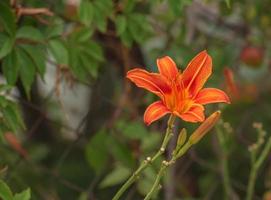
x=152, y=82
x=211, y=95
x=154, y=112
x=195, y=114
x=167, y=67
x=197, y=72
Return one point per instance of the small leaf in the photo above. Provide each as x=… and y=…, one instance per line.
x=24, y=195
x=10, y=67
x=6, y=44
x=3, y=102
x=100, y=20
x=38, y=57
x=126, y=38
x=7, y=18
x=82, y=35
x=27, y=70
x=59, y=51
x=178, y=5
x=5, y=192
x=29, y=32
x=76, y=65
x=86, y=12
x=94, y=50
x=137, y=27
x=18, y=114
x=129, y=6
x=117, y=176
x=120, y=24
x=97, y=152
x=11, y=118
x=55, y=29
x=90, y=65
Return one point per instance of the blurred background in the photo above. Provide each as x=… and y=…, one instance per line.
x=71, y=124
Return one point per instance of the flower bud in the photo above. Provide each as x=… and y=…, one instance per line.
x=231, y=85
x=205, y=127
x=181, y=138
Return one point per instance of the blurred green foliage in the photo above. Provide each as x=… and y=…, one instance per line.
x=93, y=43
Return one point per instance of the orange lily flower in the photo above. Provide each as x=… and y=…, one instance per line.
x=181, y=94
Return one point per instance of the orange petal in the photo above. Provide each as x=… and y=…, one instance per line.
x=167, y=67
x=154, y=112
x=211, y=95
x=195, y=114
x=231, y=84
x=197, y=72
x=150, y=81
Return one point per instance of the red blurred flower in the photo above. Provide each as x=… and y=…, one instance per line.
x=181, y=94
x=252, y=55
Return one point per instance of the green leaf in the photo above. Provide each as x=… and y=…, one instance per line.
x=90, y=65
x=121, y=152
x=100, y=20
x=120, y=24
x=3, y=101
x=94, y=50
x=10, y=117
x=55, y=30
x=105, y=6
x=59, y=51
x=4, y=87
x=177, y=5
x=27, y=70
x=10, y=67
x=228, y=3
x=116, y=176
x=86, y=12
x=5, y=192
x=82, y=35
x=126, y=38
x=150, y=143
x=132, y=130
x=76, y=65
x=6, y=44
x=129, y=6
x=24, y=195
x=7, y=18
x=137, y=24
x=30, y=33
x=18, y=114
x=97, y=152
x=38, y=57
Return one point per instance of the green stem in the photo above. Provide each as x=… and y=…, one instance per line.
x=251, y=183
x=224, y=162
x=157, y=181
x=226, y=177
x=255, y=168
x=149, y=160
x=164, y=166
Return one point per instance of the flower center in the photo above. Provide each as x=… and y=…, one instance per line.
x=179, y=99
